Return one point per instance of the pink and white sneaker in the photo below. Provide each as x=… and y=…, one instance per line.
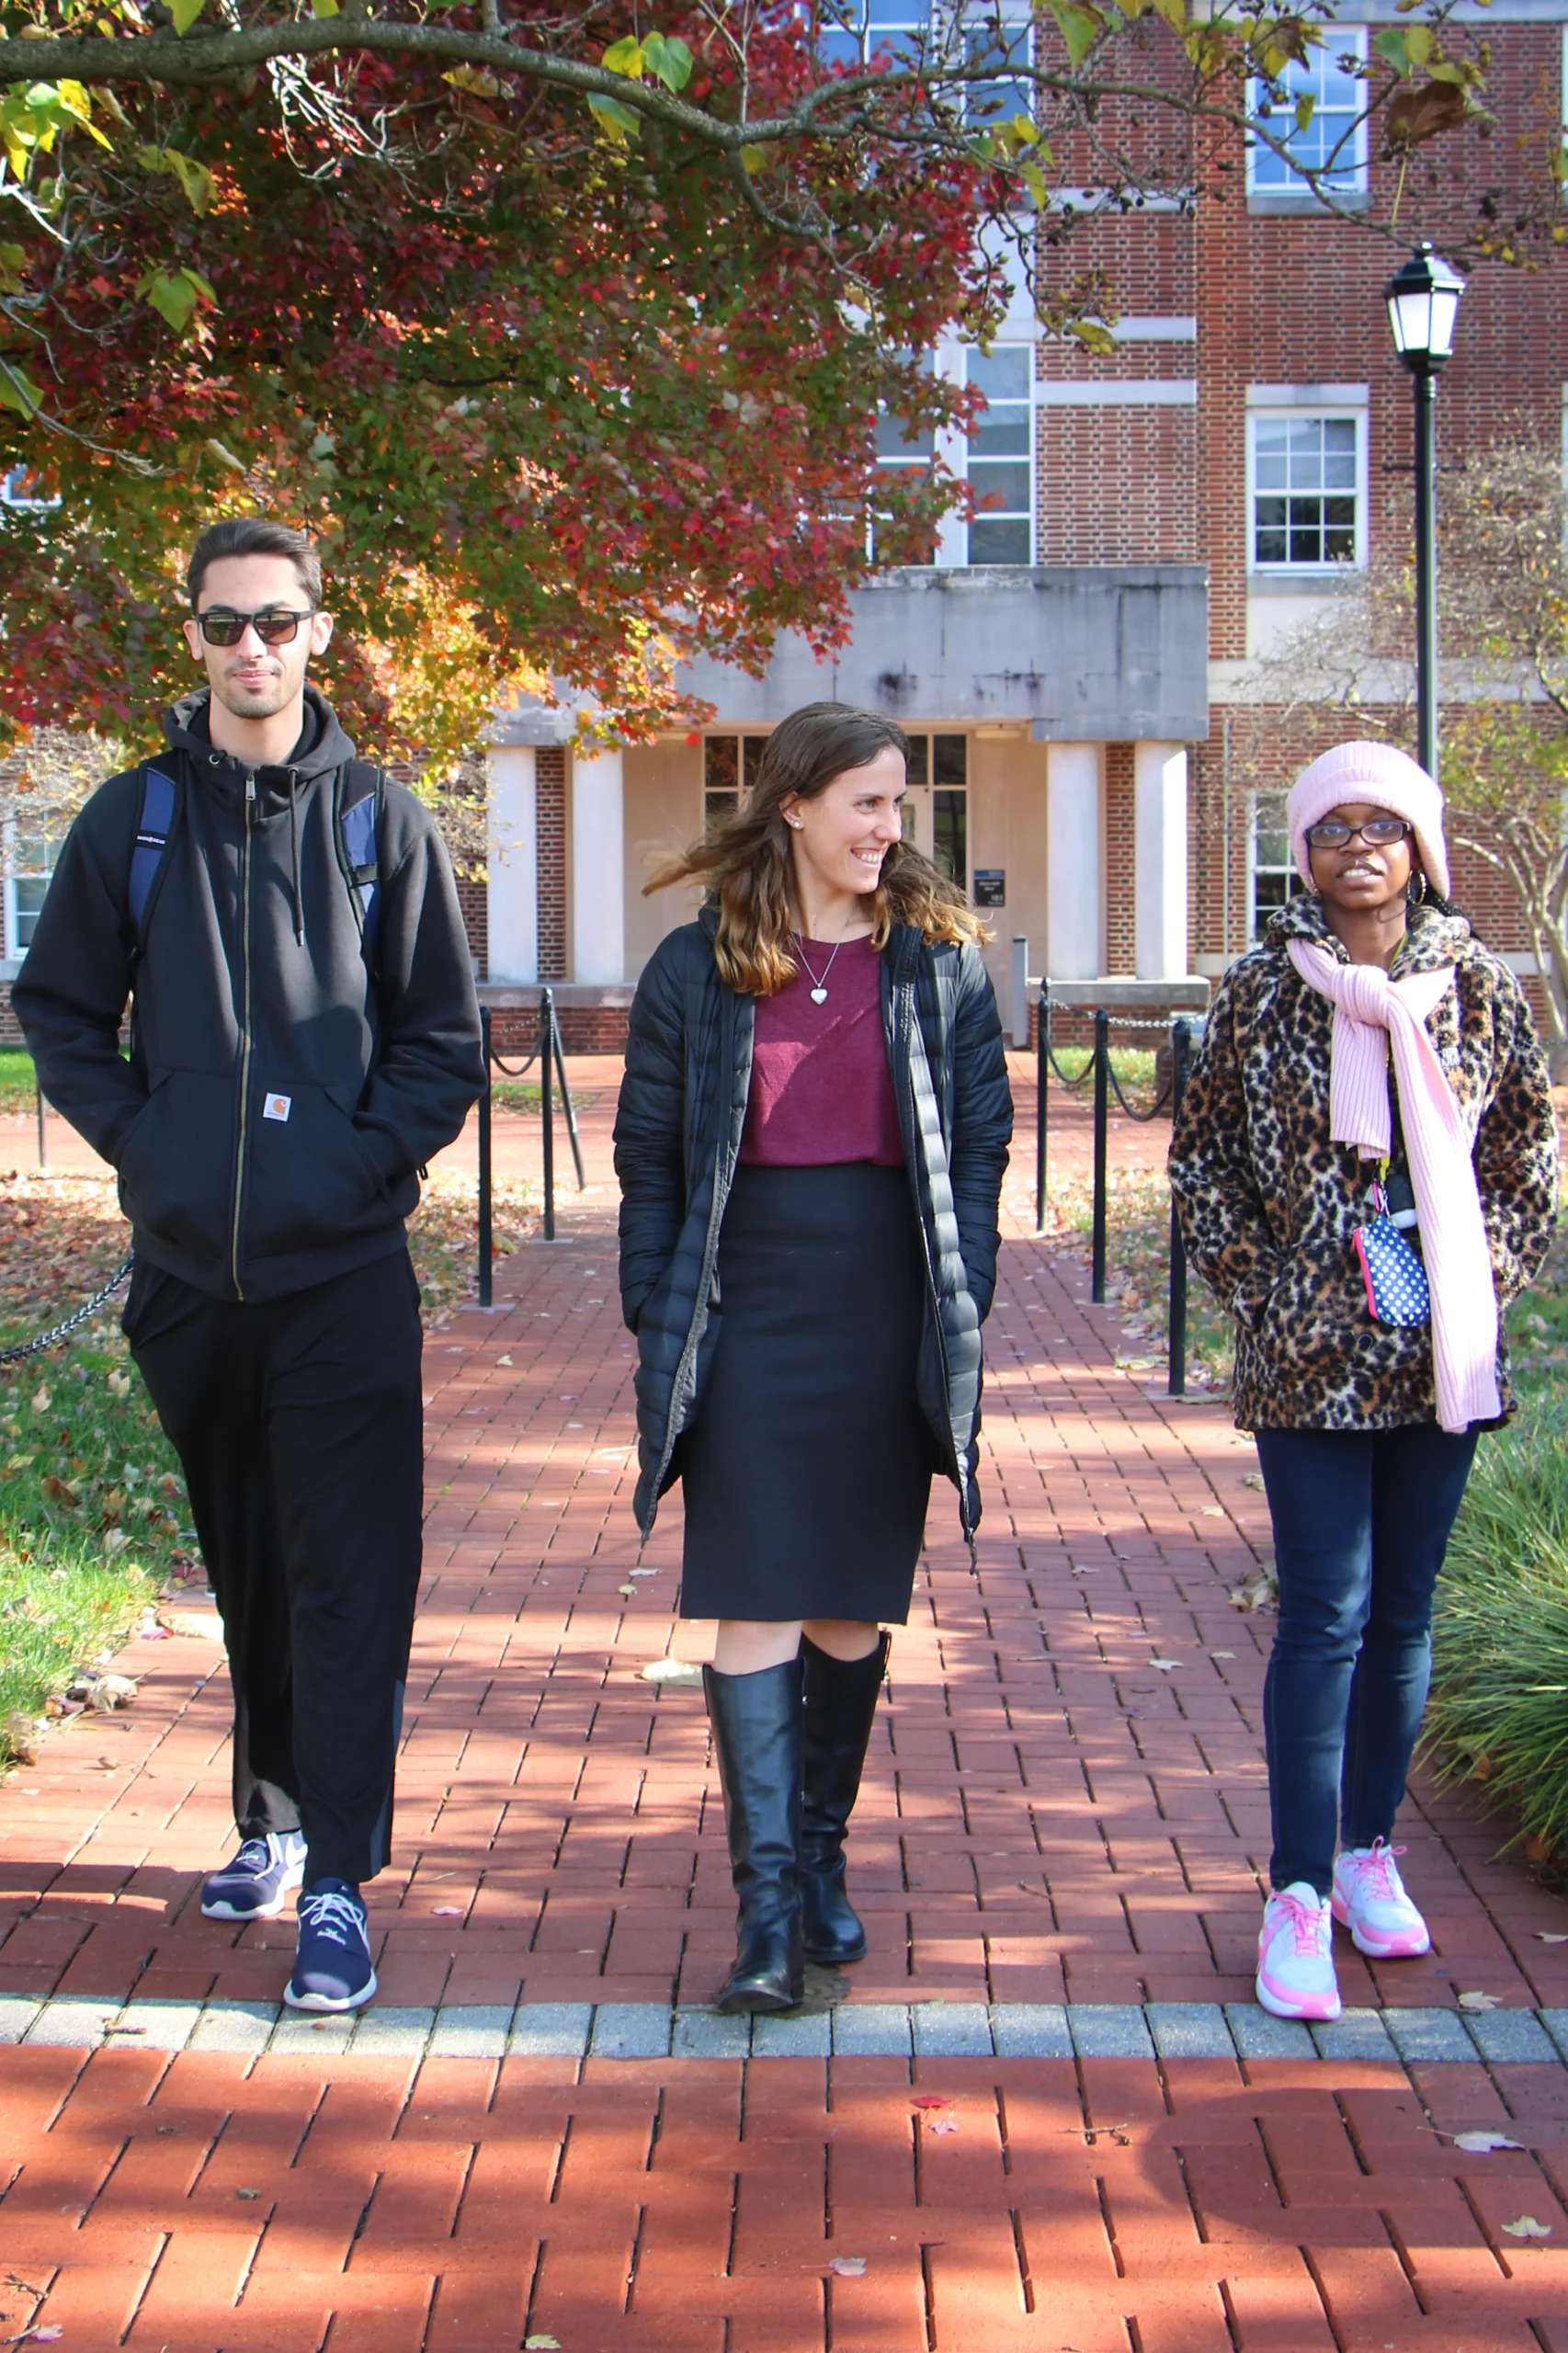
x=1370, y=1900
x=1295, y=1955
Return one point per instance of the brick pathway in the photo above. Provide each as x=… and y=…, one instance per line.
x=1030, y=2120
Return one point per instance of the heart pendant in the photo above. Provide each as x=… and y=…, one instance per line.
x=819, y=997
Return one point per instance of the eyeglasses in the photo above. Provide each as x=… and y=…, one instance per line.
x=276, y=626
x=1378, y=833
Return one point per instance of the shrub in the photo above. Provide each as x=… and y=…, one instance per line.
x=1499, y=1706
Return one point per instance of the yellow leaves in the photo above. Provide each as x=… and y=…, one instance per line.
x=324, y=8
x=616, y=122
x=624, y=57
x=185, y=13
x=1081, y=26
x=194, y=180
x=31, y=119
x=473, y=79
x=663, y=55
x=755, y=159
x=668, y=60
x=13, y=261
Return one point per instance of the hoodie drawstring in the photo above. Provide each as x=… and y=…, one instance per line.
x=294, y=850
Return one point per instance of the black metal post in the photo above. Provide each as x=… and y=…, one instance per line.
x=486, y=1248
x=546, y=1074
x=1102, y=1132
x=1426, y=384
x=566, y=1103
x=1043, y=1073
x=43, y=1130
x=1181, y=1062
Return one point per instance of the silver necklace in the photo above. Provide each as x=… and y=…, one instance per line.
x=819, y=990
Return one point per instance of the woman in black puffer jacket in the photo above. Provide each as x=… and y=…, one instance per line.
x=810, y=1139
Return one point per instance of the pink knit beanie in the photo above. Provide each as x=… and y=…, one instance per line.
x=1386, y=778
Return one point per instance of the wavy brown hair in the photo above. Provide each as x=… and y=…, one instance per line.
x=748, y=866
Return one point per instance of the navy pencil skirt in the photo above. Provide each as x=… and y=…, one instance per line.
x=807, y=1473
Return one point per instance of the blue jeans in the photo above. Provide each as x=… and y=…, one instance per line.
x=1362, y=1521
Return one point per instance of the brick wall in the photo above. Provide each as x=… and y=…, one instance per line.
x=474, y=898
x=551, y=786
x=1120, y=872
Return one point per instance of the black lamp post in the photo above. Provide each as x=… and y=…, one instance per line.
x=1423, y=303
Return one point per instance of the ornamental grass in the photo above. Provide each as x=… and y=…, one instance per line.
x=1498, y=1713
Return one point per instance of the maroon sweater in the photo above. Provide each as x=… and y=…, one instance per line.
x=821, y=1089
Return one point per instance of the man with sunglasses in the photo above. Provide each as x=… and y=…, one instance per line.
x=305, y=1035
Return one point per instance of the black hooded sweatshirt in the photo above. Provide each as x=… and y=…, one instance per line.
x=280, y=1094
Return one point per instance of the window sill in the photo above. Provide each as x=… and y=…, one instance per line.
x=1301, y=201
x=1304, y=583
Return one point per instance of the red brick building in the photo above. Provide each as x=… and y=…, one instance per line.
x=1073, y=667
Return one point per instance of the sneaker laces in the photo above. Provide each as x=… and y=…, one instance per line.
x=255, y=1855
x=1305, y=1920
x=1379, y=1871
x=332, y=1915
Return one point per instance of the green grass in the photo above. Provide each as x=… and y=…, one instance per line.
x=18, y=1087
x=523, y=1095
x=1134, y=1067
x=94, y=1517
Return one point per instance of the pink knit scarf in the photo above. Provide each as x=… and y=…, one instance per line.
x=1370, y=1009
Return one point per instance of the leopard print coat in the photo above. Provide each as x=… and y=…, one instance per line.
x=1268, y=1205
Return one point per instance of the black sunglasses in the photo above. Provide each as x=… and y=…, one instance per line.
x=1381, y=833
x=276, y=626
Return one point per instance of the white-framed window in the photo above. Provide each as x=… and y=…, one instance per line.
x=900, y=445
x=852, y=33
x=1272, y=878
x=1001, y=455
x=729, y=771
x=30, y=862
x=1327, y=88
x=1306, y=490
x=19, y=487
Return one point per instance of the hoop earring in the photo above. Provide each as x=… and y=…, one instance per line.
x=1415, y=889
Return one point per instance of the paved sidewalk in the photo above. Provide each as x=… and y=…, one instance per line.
x=1044, y=2112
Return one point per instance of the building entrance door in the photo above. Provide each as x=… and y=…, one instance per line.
x=917, y=818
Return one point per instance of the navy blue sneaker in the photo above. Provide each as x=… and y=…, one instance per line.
x=332, y=1969
x=259, y=1881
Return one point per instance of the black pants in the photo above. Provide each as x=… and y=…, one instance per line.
x=298, y=1424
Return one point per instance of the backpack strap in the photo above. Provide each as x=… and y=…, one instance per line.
x=155, y=823
x=360, y=792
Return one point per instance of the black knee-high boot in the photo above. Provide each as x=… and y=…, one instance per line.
x=841, y=1702
x=757, y=1732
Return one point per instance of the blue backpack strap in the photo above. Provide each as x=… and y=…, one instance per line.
x=358, y=829
x=155, y=823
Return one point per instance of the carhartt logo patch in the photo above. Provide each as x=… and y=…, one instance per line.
x=276, y=1107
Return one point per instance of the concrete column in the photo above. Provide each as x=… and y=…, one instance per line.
x=514, y=864
x=599, y=867
x=1075, y=949
x=1159, y=801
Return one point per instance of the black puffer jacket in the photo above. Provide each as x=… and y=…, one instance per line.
x=677, y=1134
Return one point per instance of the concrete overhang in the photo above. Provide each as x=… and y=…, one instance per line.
x=1082, y=653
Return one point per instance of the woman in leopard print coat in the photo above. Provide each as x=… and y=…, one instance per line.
x=1364, y=1480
